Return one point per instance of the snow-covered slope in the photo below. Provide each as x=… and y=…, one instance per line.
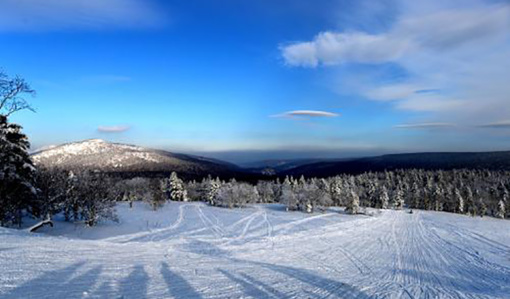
x=190, y=250
x=97, y=154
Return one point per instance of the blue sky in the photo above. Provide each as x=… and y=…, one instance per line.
x=224, y=78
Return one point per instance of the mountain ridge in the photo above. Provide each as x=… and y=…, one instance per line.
x=109, y=157
x=496, y=160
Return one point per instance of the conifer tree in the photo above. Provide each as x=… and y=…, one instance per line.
x=353, y=205
x=460, y=201
x=438, y=198
x=17, y=174
x=398, y=199
x=384, y=199
x=177, y=191
x=501, y=210
x=213, y=185
x=288, y=197
x=470, y=202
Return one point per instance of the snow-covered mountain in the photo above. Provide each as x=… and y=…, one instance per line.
x=97, y=154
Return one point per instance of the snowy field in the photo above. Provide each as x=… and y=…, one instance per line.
x=190, y=250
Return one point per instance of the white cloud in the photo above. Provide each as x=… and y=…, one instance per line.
x=302, y=54
x=113, y=129
x=505, y=124
x=47, y=15
x=424, y=126
x=438, y=31
x=331, y=48
x=305, y=113
x=391, y=92
x=424, y=102
x=459, y=51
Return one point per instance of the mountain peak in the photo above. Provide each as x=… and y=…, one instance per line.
x=101, y=155
x=95, y=141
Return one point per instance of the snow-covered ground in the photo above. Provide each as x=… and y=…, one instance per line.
x=190, y=250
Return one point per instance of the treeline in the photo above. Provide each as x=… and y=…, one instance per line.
x=90, y=197
x=472, y=192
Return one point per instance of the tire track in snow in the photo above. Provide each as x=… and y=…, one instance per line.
x=284, y=228
x=217, y=230
x=269, y=229
x=245, y=228
x=131, y=237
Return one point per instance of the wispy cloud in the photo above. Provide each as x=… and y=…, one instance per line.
x=305, y=114
x=424, y=126
x=113, y=129
x=455, y=55
x=505, y=124
x=436, y=31
x=48, y=15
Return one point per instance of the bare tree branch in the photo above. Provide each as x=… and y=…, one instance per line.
x=12, y=92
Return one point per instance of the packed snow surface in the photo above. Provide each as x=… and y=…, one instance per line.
x=191, y=250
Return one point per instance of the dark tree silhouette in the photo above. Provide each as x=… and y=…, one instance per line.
x=12, y=94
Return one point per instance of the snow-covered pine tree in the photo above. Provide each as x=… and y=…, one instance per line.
x=288, y=197
x=194, y=190
x=460, y=201
x=213, y=185
x=323, y=195
x=416, y=197
x=353, y=205
x=371, y=193
x=266, y=191
x=384, y=199
x=470, y=202
x=177, y=191
x=438, y=198
x=481, y=204
x=398, y=199
x=300, y=191
x=234, y=194
x=17, y=174
x=501, y=210
x=336, y=190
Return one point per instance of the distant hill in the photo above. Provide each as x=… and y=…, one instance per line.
x=429, y=161
x=275, y=166
x=129, y=160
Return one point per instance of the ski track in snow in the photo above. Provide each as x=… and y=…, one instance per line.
x=191, y=250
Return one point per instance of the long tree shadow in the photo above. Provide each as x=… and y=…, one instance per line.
x=322, y=284
x=56, y=284
x=105, y=290
x=204, y=248
x=135, y=284
x=264, y=286
x=488, y=283
x=249, y=289
x=177, y=286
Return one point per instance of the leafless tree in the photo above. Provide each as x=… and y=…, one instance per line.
x=12, y=94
